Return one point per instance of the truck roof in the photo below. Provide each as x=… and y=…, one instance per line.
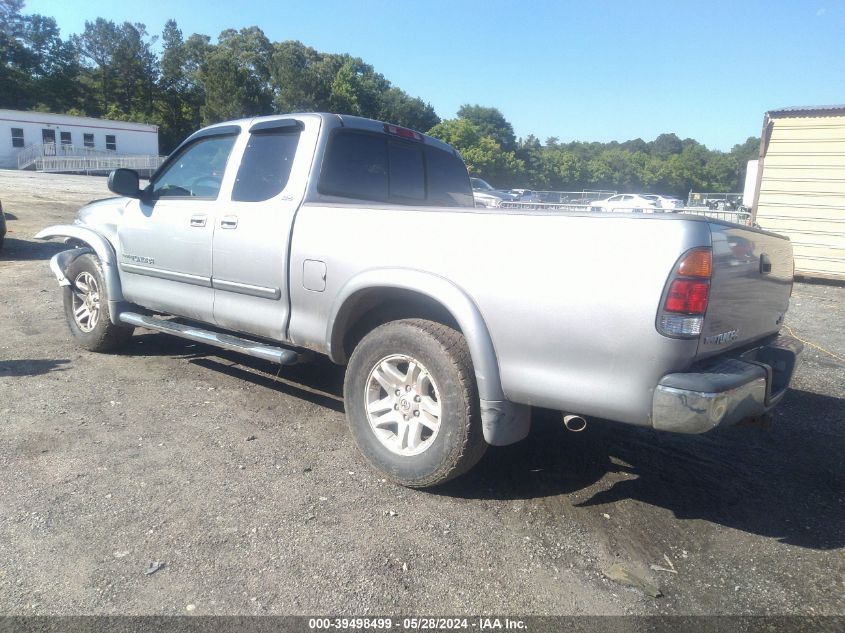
x=334, y=120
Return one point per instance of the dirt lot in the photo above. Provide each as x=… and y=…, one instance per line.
x=109, y=463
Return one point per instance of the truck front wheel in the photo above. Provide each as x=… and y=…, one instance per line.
x=87, y=307
x=412, y=403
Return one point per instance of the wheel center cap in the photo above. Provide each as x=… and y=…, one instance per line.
x=405, y=404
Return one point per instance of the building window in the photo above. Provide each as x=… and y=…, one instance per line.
x=111, y=142
x=66, y=138
x=17, y=137
x=88, y=140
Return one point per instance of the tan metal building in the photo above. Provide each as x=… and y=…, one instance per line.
x=800, y=188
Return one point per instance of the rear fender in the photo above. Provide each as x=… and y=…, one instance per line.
x=503, y=422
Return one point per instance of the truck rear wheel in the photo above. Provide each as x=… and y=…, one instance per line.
x=87, y=307
x=412, y=404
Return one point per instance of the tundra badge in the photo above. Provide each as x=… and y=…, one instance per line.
x=138, y=259
x=724, y=337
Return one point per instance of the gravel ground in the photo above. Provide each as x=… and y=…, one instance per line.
x=243, y=482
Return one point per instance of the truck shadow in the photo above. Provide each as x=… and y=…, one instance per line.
x=31, y=366
x=319, y=381
x=300, y=381
x=784, y=484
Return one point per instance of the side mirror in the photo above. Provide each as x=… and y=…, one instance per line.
x=125, y=182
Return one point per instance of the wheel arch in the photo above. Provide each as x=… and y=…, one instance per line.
x=100, y=246
x=377, y=296
x=503, y=422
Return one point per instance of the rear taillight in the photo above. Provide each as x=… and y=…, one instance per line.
x=696, y=263
x=686, y=294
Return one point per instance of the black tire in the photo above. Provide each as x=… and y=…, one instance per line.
x=104, y=336
x=459, y=443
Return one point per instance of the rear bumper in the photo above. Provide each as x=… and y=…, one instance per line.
x=726, y=390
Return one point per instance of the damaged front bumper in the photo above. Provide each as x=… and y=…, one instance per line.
x=726, y=391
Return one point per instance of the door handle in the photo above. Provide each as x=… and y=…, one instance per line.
x=229, y=222
x=198, y=220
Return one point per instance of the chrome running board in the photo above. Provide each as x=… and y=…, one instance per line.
x=272, y=353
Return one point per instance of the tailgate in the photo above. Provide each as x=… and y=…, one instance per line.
x=750, y=287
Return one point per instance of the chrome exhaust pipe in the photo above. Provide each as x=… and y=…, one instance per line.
x=574, y=423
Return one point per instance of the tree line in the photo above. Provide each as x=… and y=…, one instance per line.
x=120, y=71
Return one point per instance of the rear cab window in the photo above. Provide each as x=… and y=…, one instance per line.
x=448, y=185
x=406, y=172
x=356, y=167
x=377, y=167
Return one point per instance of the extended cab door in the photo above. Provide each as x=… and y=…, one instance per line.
x=166, y=237
x=251, y=239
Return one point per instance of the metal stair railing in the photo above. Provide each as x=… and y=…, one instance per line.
x=52, y=157
x=97, y=163
x=28, y=155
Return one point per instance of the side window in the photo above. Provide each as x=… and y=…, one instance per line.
x=111, y=142
x=356, y=167
x=197, y=171
x=65, y=136
x=88, y=140
x=371, y=167
x=17, y=137
x=448, y=185
x=265, y=166
x=407, y=174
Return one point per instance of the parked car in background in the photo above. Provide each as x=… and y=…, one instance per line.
x=624, y=202
x=549, y=197
x=525, y=195
x=486, y=195
x=728, y=204
x=484, y=199
x=664, y=202
x=2, y=226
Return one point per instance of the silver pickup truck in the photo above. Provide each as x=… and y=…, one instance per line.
x=286, y=235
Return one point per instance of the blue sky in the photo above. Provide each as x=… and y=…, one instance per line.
x=597, y=71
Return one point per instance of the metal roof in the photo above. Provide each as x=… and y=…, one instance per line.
x=833, y=109
x=50, y=118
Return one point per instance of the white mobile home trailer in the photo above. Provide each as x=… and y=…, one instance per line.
x=32, y=134
x=800, y=185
